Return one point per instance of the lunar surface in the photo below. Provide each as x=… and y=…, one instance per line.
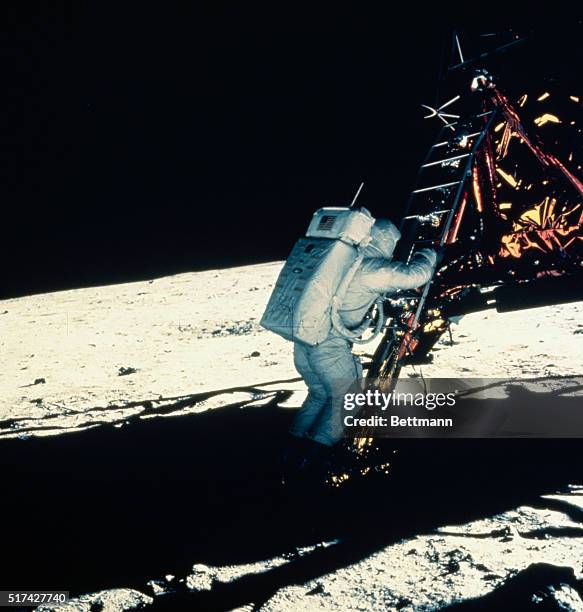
x=74, y=358
x=191, y=343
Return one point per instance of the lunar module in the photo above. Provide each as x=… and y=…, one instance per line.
x=500, y=196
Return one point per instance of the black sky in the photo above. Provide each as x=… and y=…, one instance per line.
x=142, y=139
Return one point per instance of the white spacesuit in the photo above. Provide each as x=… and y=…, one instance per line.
x=329, y=369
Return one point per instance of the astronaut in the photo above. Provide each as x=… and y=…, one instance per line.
x=329, y=369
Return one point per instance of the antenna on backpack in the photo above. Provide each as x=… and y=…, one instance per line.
x=356, y=195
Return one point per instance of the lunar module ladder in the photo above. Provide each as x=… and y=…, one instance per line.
x=441, y=183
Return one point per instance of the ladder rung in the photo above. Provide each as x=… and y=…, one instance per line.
x=442, y=161
x=436, y=187
x=435, y=212
x=445, y=142
x=469, y=119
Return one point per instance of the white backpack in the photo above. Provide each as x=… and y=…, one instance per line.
x=303, y=305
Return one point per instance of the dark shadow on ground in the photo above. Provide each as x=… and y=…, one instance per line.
x=539, y=587
x=115, y=507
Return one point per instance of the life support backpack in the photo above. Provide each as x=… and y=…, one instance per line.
x=304, y=304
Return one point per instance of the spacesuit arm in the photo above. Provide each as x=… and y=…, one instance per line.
x=398, y=275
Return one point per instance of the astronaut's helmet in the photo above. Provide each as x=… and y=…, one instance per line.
x=384, y=237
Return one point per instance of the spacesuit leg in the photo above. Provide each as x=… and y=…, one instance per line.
x=317, y=393
x=339, y=371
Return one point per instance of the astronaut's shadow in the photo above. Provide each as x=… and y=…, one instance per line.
x=115, y=507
